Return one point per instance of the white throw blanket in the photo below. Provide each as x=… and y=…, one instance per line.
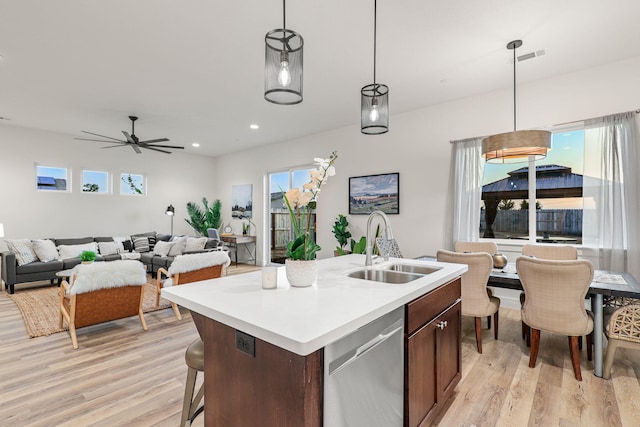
x=190, y=262
x=113, y=274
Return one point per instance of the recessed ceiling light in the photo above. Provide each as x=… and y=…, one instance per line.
x=254, y=126
x=195, y=144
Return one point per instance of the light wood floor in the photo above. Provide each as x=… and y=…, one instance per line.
x=122, y=376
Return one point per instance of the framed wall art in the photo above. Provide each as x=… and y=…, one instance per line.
x=242, y=203
x=374, y=192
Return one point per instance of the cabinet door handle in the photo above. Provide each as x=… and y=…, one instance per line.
x=440, y=325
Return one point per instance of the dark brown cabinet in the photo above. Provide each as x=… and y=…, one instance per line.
x=433, y=358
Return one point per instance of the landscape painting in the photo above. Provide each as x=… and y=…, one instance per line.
x=242, y=205
x=374, y=192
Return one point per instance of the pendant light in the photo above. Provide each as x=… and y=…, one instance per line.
x=374, y=106
x=516, y=146
x=283, y=64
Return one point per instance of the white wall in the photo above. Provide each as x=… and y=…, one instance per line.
x=26, y=213
x=417, y=146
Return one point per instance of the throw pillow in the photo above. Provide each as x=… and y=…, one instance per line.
x=179, y=244
x=125, y=241
x=23, y=249
x=74, y=251
x=141, y=244
x=152, y=242
x=45, y=250
x=162, y=248
x=108, y=248
x=195, y=244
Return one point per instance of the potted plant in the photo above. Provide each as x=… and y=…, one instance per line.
x=201, y=219
x=87, y=257
x=341, y=233
x=300, y=262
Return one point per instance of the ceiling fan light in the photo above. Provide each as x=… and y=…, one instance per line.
x=517, y=146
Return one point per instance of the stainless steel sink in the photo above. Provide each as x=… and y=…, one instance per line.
x=385, y=276
x=416, y=269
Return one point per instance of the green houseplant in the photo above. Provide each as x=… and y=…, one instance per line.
x=87, y=257
x=341, y=233
x=202, y=218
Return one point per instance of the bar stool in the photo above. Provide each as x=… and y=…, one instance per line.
x=194, y=358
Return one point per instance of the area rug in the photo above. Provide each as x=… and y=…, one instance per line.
x=40, y=308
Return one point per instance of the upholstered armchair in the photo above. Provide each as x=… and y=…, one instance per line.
x=555, y=292
x=476, y=302
x=102, y=292
x=191, y=268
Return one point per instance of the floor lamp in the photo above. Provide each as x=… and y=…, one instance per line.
x=170, y=211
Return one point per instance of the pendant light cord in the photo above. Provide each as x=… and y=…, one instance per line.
x=284, y=15
x=514, y=88
x=375, y=14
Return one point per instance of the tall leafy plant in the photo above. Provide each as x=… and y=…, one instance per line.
x=202, y=218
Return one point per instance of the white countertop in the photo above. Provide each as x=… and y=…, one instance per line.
x=303, y=320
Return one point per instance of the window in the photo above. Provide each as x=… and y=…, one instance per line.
x=52, y=179
x=281, y=227
x=132, y=184
x=558, y=188
x=95, y=182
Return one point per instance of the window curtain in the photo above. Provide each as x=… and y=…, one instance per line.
x=610, y=225
x=465, y=191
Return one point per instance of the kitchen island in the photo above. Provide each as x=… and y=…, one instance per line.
x=264, y=348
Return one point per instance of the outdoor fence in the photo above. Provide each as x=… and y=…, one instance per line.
x=559, y=222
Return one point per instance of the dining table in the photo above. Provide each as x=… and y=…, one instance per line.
x=604, y=284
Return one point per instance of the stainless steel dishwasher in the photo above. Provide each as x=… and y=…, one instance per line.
x=364, y=375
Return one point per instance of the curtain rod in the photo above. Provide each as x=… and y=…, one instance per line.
x=558, y=124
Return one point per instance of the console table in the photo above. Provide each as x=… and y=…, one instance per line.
x=246, y=241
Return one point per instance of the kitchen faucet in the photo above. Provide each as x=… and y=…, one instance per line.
x=388, y=234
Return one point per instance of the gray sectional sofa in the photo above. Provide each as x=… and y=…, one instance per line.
x=13, y=274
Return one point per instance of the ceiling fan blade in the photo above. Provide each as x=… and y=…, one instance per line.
x=129, y=139
x=167, y=146
x=99, y=140
x=151, y=141
x=136, y=148
x=156, y=149
x=124, y=144
x=101, y=136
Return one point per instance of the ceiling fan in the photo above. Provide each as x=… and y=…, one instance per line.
x=133, y=141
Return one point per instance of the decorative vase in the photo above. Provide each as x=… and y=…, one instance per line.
x=301, y=273
x=499, y=261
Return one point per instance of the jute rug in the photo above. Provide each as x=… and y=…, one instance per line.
x=40, y=307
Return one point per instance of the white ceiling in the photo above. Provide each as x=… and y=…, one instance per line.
x=192, y=70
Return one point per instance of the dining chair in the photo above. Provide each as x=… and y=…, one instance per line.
x=488, y=247
x=557, y=252
x=623, y=331
x=555, y=292
x=476, y=302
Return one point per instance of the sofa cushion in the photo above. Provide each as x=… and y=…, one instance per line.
x=110, y=248
x=73, y=241
x=40, y=267
x=23, y=249
x=162, y=261
x=179, y=244
x=162, y=248
x=195, y=244
x=73, y=251
x=147, y=257
x=103, y=239
x=70, y=262
x=113, y=257
x=45, y=250
x=141, y=244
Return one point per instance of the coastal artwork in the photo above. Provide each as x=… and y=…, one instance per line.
x=242, y=205
x=374, y=192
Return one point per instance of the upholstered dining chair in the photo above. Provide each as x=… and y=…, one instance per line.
x=476, y=302
x=191, y=268
x=555, y=292
x=488, y=247
x=623, y=331
x=557, y=252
